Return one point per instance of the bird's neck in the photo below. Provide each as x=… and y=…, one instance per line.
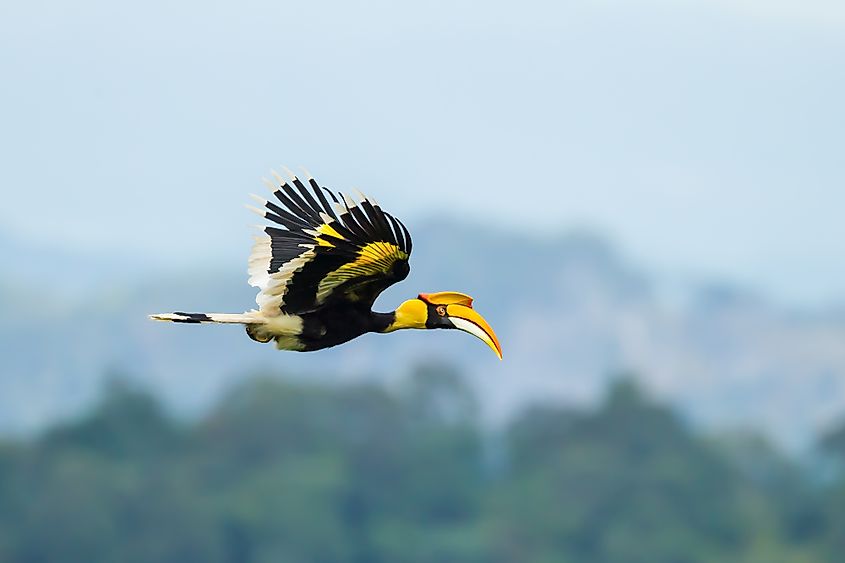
x=382, y=322
x=410, y=314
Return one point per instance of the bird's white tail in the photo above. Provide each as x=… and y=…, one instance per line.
x=195, y=318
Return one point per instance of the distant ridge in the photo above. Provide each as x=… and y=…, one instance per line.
x=569, y=309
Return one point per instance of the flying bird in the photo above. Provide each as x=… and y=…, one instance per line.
x=320, y=266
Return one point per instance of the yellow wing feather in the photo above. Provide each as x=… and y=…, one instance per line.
x=374, y=259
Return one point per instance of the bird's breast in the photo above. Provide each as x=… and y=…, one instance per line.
x=332, y=326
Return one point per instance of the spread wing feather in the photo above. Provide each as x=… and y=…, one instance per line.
x=320, y=252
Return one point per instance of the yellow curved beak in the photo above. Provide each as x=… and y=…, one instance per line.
x=466, y=319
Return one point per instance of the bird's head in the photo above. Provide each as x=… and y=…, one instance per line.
x=447, y=309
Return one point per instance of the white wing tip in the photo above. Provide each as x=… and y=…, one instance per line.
x=289, y=173
x=270, y=185
x=254, y=209
x=259, y=199
x=362, y=196
x=348, y=200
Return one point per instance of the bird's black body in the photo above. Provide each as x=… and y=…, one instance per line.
x=341, y=323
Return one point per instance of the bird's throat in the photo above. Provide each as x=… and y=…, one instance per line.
x=410, y=314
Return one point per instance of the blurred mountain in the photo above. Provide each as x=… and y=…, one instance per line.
x=570, y=311
x=39, y=266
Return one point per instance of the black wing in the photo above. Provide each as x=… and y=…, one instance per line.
x=322, y=251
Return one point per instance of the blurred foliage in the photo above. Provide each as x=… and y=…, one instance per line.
x=284, y=471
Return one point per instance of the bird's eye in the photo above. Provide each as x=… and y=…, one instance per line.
x=441, y=310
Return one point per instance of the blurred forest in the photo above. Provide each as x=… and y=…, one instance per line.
x=288, y=470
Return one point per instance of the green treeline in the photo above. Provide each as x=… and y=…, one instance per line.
x=291, y=472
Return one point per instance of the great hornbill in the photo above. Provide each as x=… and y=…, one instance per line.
x=320, y=270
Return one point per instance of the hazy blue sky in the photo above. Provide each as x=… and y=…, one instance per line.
x=705, y=137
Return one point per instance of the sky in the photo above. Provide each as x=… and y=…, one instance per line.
x=704, y=138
